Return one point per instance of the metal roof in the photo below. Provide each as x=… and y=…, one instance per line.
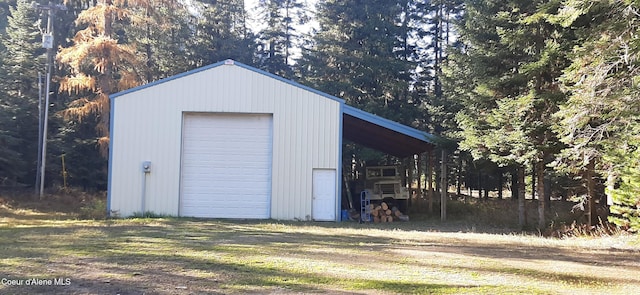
x=358, y=126
x=384, y=135
x=228, y=62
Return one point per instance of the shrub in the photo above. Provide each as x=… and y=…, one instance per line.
x=95, y=208
x=625, y=211
x=148, y=214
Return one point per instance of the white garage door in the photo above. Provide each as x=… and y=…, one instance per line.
x=226, y=166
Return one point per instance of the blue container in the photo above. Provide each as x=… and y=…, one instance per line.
x=345, y=215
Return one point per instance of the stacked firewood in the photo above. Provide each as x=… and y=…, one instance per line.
x=382, y=213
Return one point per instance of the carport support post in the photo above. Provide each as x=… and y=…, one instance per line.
x=443, y=186
x=430, y=167
x=419, y=195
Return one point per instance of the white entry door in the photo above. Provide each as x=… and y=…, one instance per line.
x=324, y=194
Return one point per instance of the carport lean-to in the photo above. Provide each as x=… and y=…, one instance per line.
x=391, y=138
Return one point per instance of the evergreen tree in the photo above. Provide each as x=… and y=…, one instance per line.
x=160, y=29
x=280, y=36
x=515, y=58
x=220, y=33
x=355, y=56
x=4, y=12
x=625, y=157
x=21, y=60
x=441, y=107
x=600, y=122
x=11, y=163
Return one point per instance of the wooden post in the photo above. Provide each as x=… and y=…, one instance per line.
x=410, y=176
x=443, y=186
x=419, y=187
x=430, y=168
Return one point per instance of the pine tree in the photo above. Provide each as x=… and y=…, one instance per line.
x=355, y=56
x=11, y=163
x=515, y=59
x=220, y=33
x=599, y=122
x=4, y=11
x=160, y=33
x=441, y=107
x=625, y=210
x=279, y=37
x=22, y=59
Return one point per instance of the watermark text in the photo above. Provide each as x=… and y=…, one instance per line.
x=36, y=282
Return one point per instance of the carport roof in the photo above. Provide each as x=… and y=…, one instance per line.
x=384, y=135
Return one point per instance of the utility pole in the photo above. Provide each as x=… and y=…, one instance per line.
x=39, y=164
x=47, y=42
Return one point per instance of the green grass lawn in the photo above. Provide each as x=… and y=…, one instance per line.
x=189, y=256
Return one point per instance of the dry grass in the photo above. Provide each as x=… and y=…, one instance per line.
x=189, y=256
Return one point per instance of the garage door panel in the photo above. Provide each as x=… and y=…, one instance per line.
x=231, y=191
x=203, y=200
x=240, y=148
x=245, y=173
x=226, y=166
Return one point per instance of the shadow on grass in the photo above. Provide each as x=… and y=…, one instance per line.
x=155, y=256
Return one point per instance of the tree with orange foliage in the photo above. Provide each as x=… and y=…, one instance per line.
x=99, y=65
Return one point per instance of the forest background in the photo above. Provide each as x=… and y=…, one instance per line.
x=541, y=88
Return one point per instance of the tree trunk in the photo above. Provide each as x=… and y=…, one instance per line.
x=514, y=184
x=479, y=186
x=611, y=181
x=443, y=186
x=533, y=182
x=522, y=210
x=287, y=36
x=547, y=190
x=542, y=222
x=459, y=177
x=500, y=184
x=438, y=52
x=591, y=192
x=430, y=168
x=149, y=59
x=485, y=189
